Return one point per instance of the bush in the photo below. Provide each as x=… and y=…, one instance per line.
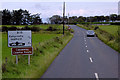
x=4, y=67
x=12, y=28
x=96, y=28
x=110, y=37
x=26, y=28
x=35, y=29
x=4, y=28
x=50, y=28
x=116, y=23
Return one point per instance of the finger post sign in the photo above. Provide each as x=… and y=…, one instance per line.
x=21, y=43
x=19, y=39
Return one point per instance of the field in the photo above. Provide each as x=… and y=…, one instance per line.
x=112, y=29
x=0, y=55
x=41, y=26
x=46, y=46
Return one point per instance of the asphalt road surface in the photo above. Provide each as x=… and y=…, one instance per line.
x=84, y=57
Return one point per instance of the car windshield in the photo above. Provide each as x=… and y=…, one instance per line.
x=90, y=31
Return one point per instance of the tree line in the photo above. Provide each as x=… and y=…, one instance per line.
x=57, y=19
x=19, y=17
x=24, y=17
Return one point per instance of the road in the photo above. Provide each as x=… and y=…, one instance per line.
x=84, y=57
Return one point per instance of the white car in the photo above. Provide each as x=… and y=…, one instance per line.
x=90, y=33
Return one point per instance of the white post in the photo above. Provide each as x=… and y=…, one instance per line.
x=16, y=59
x=28, y=59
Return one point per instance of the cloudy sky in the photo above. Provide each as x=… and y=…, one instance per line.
x=47, y=8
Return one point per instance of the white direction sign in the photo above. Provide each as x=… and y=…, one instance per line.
x=19, y=38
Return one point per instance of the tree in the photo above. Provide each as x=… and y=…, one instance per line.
x=35, y=19
x=17, y=16
x=55, y=19
x=113, y=17
x=26, y=17
x=6, y=17
x=118, y=17
x=107, y=18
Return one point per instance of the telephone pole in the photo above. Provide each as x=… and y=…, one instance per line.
x=63, y=16
x=68, y=19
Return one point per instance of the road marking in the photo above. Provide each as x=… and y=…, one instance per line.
x=96, y=75
x=87, y=50
x=91, y=60
x=85, y=43
x=85, y=46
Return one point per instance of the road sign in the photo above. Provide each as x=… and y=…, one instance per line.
x=19, y=38
x=22, y=51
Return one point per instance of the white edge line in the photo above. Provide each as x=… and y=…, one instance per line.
x=96, y=75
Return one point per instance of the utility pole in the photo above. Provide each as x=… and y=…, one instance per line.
x=68, y=19
x=63, y=16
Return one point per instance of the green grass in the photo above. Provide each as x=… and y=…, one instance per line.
x=112, y=29
x=41, y=26
x=0, y=56
x=36, y=38
x=44, y=54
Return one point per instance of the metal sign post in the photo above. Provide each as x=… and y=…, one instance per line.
x=21, y=43
x=16, y=59
x=28, y=59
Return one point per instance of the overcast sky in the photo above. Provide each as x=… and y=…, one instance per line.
x=59, y=0
x=47, y=8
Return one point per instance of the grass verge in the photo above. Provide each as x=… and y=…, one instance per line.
x=44, y=53
x=0, y=56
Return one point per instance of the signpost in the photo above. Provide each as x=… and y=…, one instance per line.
x=21, y=43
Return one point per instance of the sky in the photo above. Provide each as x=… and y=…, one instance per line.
x=48, y=8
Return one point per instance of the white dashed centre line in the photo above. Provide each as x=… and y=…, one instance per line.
x=87, y=50
x=96, y=75
x=91, y=60
x=85, y=46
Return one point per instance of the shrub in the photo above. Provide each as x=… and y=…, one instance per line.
x=4, y=67
x=96, y=28
x=35, y=29
x=50, y=28
x=12, y=28
x=115, y=23
x=4, y=28
x=56, y=39
x=110, y=37
x=26, y=28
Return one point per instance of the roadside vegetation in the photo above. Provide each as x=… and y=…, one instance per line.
x=109, y=34
x=0, y=56
x=47, y=43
